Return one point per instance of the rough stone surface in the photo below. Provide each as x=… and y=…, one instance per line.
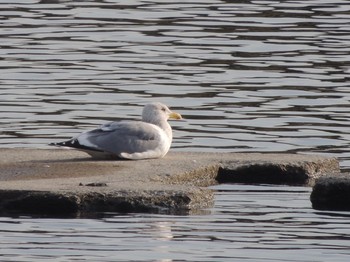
x=290, y=169
x=332, y=193
x=70, y=182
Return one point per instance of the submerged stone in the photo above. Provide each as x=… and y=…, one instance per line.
x=332, y=193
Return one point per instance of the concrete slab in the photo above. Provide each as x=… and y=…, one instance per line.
x=62, y=181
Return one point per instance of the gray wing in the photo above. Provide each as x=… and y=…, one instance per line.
x=122, y=137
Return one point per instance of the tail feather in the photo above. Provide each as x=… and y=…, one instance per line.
x=74, y=143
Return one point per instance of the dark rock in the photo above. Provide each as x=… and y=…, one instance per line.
x=332, y=193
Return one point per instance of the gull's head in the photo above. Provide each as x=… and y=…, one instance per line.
x=157, y=112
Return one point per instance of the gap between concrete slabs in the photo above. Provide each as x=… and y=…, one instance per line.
x=68, y=182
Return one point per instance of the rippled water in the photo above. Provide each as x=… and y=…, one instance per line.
x=247, y=75
x=249, y=223
x=267, y=76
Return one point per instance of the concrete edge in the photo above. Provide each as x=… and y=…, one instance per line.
x=287, y=173
x=48, y=203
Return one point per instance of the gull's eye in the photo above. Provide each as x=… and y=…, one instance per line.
x=163, y=109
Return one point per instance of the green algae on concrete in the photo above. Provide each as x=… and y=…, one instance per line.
x=38, y=181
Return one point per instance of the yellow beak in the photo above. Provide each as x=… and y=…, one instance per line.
x=174, y=115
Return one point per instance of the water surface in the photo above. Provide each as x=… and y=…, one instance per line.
x=249, y=223
x=248, y=76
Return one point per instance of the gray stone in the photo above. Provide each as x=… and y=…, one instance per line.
x=61, y=182
x=332, y=193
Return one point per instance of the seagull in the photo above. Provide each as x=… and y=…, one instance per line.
x=149, y=138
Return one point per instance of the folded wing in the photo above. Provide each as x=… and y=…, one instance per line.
x=119, y=138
